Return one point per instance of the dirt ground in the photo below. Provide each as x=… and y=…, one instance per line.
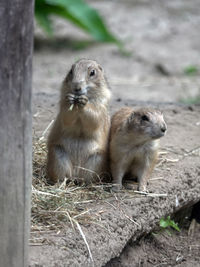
x=161, y=250
x=126, y=216
x=163, y=39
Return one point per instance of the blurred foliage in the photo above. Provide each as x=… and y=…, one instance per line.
x=79, y=13
x=191, y=70
x=190, y=100
x=166, y=223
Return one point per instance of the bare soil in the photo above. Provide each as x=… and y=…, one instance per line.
x=158, y=33
x=127, y=216
x=161, y=249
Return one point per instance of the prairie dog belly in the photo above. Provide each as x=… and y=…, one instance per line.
x=79, y=151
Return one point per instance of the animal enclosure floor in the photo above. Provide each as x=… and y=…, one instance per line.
x=125, y=215
x=163, y=39
x=179, y=249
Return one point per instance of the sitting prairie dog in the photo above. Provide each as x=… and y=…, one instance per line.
x=134, y=143
x=78, y=141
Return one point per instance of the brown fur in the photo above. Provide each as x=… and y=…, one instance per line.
x=77, y=143
x=134, y=143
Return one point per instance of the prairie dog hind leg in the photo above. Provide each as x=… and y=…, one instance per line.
x=58, y=164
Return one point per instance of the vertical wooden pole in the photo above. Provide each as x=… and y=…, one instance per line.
x=16, y=38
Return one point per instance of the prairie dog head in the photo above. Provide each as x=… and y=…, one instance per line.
x=147, y=124
x=86, y=77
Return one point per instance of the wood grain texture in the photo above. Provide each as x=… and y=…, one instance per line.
x=16, y=39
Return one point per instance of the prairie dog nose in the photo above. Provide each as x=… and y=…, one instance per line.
x=163, y=128
x=77, y=89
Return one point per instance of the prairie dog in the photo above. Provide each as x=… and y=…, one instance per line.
x=78, y=142
x=134, y=143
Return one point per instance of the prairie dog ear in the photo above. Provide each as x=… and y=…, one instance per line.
x=131, y=117
x=100, y=68
x=68, y=75
x=70, y=72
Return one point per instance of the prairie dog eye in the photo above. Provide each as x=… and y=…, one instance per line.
x=92, y=73
x=70, y=72
x=145, y=118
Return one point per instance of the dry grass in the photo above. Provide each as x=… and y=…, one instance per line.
x=53, y=207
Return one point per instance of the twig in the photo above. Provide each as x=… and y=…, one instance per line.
x=192, y=151
x=110, y=204
x=52, y=211
x=131, y=219
x=41, y=231
x=36, y=114
x=63, y=184
x=102, y=186
x=71, y=107
x=157, y=195
x=85, y=240
x=150, y=194
x=122, y=211
x=73, y=189
x=88, y=170
x=141, y=193
x=162, y=152
x=83, y=202
x=154, y=179
x=166, y=160
x=34, y=191
x=45, y=131
x=78, y=215
x=36, y=244
x=171, y=150
x=70, y=219
x=85, y=169
x=171, y=160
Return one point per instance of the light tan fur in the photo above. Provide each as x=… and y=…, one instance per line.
x=134, y=144
x=78, y=141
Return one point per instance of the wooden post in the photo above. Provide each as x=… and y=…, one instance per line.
x=16, y=38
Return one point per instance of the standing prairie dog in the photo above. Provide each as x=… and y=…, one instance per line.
x=78, y=141
x=134, y=143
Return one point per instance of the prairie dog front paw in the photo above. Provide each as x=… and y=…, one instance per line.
x=71, y=98
x=81, y=100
